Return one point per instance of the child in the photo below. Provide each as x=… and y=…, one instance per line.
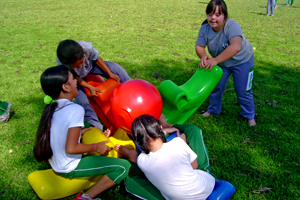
x=232, y=52
x=271, y=6
x=4, y=111
x=172, y=167
x=288, y=4
x=84, y=59
x=58, y=141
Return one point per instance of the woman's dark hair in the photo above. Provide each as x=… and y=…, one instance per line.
x=69, y=51
x=146, y=125
x=52, y=80
x=213, y=4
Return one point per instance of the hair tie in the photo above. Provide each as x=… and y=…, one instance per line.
x=48, y=99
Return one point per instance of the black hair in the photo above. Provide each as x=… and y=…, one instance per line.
x=143, y=126
x=52, y=80
x=69, y=51
x=213, y=4
x=204, y=22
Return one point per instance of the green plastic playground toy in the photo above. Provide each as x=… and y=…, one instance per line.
x=180, y=102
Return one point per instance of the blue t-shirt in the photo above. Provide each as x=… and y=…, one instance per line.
x=217, y=42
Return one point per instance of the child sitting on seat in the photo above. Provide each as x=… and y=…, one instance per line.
x=172, y=167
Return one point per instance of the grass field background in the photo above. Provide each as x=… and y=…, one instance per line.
x=155, y=41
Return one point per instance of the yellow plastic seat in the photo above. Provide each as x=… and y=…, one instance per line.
x=49, y=185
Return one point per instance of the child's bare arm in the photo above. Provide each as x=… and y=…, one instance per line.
x=93, y=90
x=195, y=164
x=105, y=68
x=73, y=147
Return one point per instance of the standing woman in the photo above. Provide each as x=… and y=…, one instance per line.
x=230, y=50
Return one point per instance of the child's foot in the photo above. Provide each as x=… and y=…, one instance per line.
x=130, y=154
x=252, y=122
x=84, y=196
x=206, y=114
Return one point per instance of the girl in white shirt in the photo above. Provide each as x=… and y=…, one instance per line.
x=58, y=141
x=173, y=167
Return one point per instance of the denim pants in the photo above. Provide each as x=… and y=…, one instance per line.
x=242, y=78
x=81, y=99
x=271, y=6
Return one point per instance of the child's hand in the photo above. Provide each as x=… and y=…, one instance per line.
x=102, y=148
x=114, y=76
x=93, y=91
x=203, y=61
x=182, y=136
x=85, y=130
x=171, y=130
x=210, y=63
x=107, y=132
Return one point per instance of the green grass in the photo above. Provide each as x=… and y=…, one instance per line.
x=155, y=40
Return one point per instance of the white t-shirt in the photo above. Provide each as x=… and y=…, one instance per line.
x=169, y=170
x=66, y=115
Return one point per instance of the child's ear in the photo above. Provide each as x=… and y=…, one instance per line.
x=65, y=88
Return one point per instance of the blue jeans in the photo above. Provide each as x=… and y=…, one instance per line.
x=245, y=96
x=271, y=5
x=81, y=99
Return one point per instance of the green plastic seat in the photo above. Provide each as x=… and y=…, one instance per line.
x=180, y=102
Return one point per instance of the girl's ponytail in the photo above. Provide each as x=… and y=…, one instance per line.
x=42, y=150
x=52, y=81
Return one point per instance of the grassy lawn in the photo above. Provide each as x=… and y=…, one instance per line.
x=155, y=41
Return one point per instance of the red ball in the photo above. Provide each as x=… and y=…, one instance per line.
x=132, y=99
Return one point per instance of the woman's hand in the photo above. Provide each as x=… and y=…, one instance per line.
x=93, y=91
x=102, y=148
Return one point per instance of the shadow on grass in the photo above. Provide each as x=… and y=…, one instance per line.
x=203, y=2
